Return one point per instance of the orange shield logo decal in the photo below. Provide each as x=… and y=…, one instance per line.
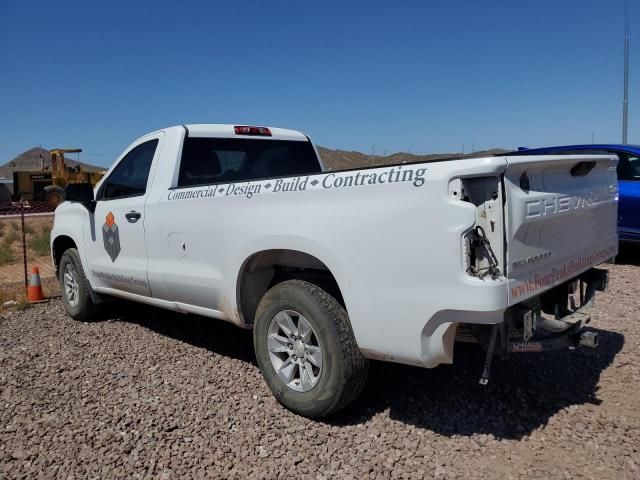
x=111, y=237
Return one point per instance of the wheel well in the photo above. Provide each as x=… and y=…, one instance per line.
x=60, y=245
x=265, y=269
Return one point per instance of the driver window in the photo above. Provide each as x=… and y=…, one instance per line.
x=129, y=178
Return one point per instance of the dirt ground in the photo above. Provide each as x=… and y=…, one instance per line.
x=150, y=394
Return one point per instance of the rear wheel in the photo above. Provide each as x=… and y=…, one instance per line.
x=75, y=288
x=306, y=349
x=53, y=195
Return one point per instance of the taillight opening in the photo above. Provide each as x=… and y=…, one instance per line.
x=256, y=131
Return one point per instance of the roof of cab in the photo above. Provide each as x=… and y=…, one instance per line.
x=227, y=131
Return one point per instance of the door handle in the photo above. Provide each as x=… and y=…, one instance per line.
x=132, y=216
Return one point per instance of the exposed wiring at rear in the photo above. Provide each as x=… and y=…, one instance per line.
x=482, y=248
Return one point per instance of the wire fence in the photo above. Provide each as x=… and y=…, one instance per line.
x=25, y=230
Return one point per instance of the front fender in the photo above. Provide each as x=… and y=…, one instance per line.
x=69, y=222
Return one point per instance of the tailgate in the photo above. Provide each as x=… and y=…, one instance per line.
x=560, y=219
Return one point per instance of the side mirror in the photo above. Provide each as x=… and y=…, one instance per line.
x=82, y=193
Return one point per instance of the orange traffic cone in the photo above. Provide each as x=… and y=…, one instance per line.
x=34, y=293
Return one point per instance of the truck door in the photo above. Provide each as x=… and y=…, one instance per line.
x=115, y=243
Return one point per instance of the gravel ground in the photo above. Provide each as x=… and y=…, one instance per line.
x=150, y=394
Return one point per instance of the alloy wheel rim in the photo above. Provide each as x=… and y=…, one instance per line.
x=71, y=285
x=294, y=350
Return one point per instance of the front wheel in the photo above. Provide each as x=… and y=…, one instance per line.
x=75, y=288
x=306, y=349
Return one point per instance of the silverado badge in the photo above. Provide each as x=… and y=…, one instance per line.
x=111, y=237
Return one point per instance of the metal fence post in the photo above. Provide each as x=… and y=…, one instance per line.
x=24, y=247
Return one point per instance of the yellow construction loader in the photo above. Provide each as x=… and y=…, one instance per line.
x=47, y=184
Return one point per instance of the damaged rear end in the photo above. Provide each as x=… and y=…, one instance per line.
x=559, y=222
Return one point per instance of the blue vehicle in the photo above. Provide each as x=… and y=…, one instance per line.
x=628, y=180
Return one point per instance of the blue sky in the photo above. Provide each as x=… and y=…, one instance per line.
x=425, y=76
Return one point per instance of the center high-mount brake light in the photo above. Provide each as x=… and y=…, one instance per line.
x=245, y=130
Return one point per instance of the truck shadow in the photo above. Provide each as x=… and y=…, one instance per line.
x=216, y=336
x=523, y=393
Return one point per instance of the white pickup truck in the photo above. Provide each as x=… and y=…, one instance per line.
x=332, y=268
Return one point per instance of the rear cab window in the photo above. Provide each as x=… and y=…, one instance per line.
x=207, y=161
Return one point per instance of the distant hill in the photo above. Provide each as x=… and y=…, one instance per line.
x=30, y=160
x=341, y=160
x=333, y=160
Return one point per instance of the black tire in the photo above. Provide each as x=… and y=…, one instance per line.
x=344, y=369
x=83, y=308
x=53, y=195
